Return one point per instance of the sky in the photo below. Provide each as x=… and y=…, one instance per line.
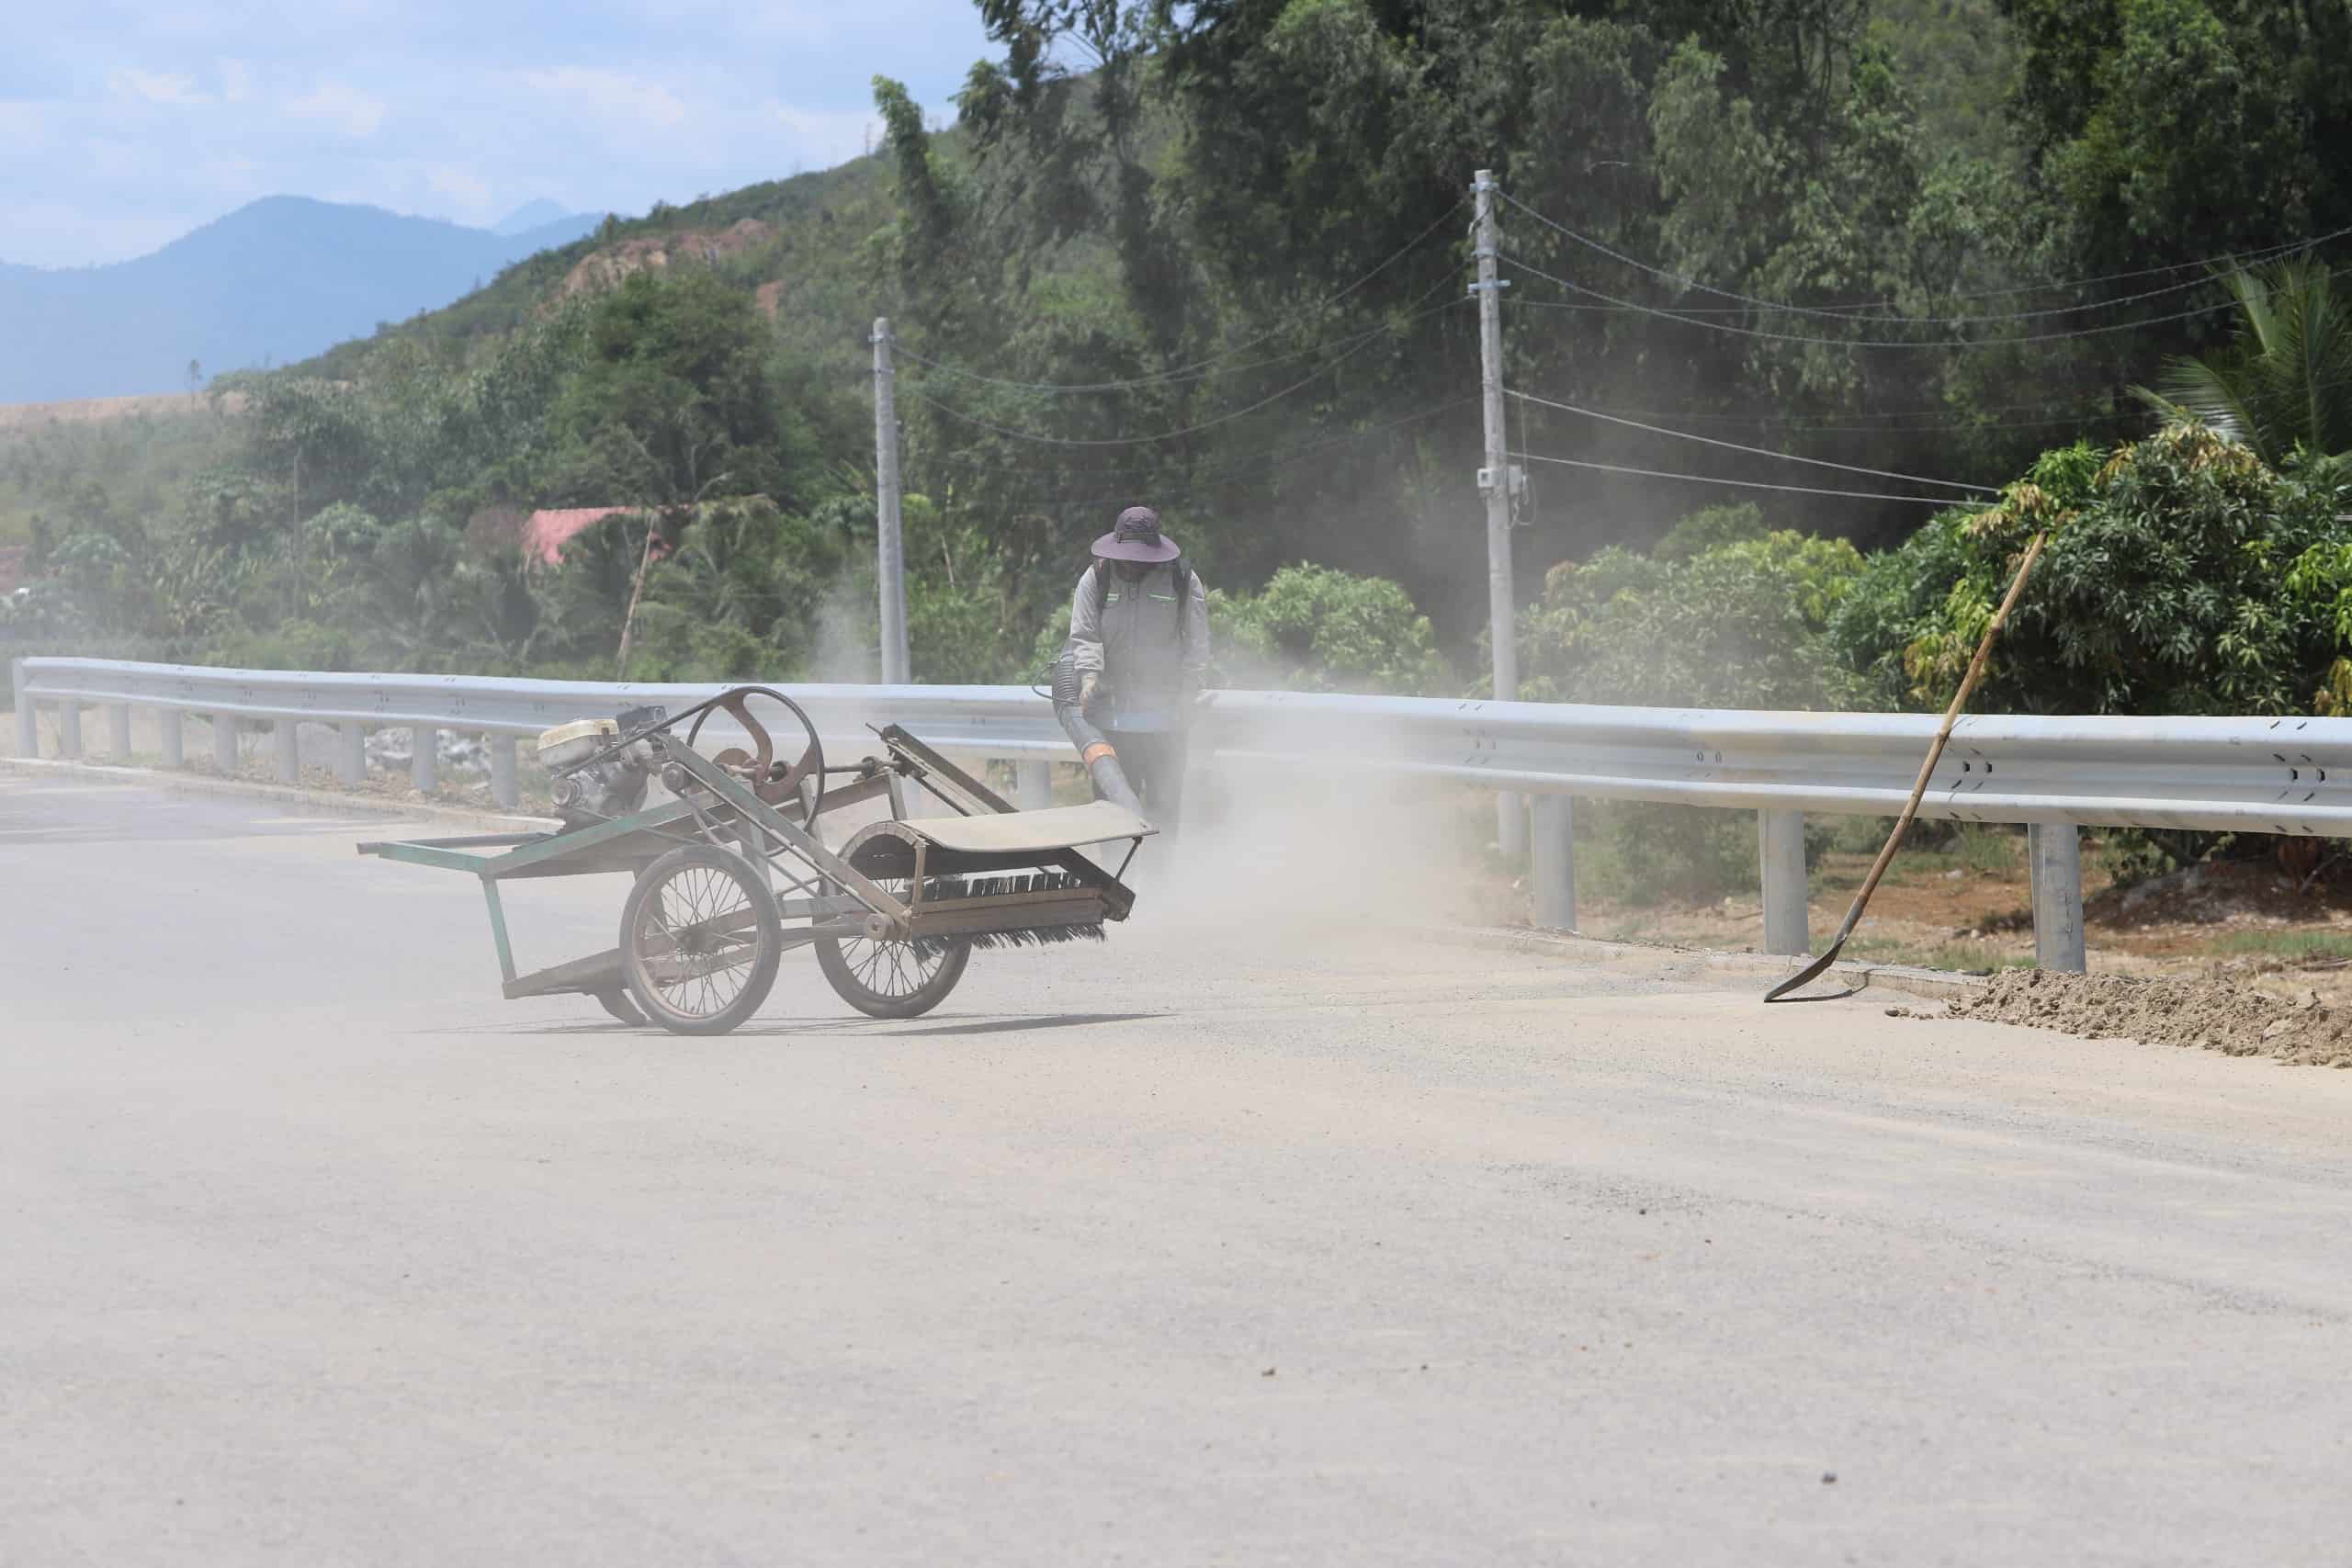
x=124, y=126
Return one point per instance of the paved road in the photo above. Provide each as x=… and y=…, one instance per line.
x=1223, y=1243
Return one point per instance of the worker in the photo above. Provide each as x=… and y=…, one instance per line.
x=1140, y=642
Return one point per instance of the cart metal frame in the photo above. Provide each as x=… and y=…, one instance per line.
x=935, y=903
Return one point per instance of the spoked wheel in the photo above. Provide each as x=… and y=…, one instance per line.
x=700, y=937
x=892, y=979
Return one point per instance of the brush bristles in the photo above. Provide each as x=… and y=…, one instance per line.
x=940, y=890
x=1032, y=936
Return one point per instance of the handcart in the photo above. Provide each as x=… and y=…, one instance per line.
x=727, y=870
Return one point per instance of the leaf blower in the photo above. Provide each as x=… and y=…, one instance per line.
x=1094, y=747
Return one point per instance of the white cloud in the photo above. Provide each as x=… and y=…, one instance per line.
x=156, y=86
x=153, y=119
x=594, y=90
x=346, y=108
x=822, y=136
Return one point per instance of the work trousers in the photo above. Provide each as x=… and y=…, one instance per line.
x=1154, y=763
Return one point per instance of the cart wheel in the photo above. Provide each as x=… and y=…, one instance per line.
x=892, y=979
x=700, y=937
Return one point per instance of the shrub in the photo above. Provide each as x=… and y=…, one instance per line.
x=1737, y=624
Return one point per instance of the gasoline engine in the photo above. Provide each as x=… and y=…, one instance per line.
x=591, y=776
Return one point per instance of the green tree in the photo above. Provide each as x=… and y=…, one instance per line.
x=1742, y=624
x=2284, y=386
x=2169, y=129
x=671, y=401
x=1320, y=629
x=2164, y=587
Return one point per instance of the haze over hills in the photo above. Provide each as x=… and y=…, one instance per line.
x=275, y=281
x=531, y=215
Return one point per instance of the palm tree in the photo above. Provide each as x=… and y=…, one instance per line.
x=2285, y=384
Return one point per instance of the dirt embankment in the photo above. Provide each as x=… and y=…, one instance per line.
x=605, y=268
x=2212, y=1014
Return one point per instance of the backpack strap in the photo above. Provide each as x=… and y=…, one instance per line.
x=1178, y=568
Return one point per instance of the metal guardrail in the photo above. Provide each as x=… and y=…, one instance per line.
x=2268, y=775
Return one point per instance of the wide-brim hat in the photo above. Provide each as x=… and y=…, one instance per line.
x=1137, y=537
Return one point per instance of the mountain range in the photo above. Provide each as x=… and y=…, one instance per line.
x=277, y=280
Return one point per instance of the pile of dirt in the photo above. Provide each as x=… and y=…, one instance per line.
x=2212, y=1014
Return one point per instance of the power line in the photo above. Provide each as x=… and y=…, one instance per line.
x=1240, y=461
x=1742, y=484
x=1963, y=427
x=1858, y=341
x=1756, y=451
x=1844, y=312
x=1940, y=418
x=1298, y=385
x=1203, y=366
x=1198, y=483
x=1166, y=378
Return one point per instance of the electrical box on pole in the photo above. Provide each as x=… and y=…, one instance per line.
x=1495, y=481
x=889, y=551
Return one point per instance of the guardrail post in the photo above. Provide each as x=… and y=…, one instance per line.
x=69, y=728
x=2055, y=853
x=1780, y=852
x=1556, y=865
x=168, y=720
x=504, y=787
x=424, y=747
x=27, y=722
x=351, y=753
x=1032, y=786
x=224, y=743
x=119, y=731
x=289, y=751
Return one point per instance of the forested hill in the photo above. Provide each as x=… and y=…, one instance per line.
x=809, y=233
x=1848, y=263
x=274, y=281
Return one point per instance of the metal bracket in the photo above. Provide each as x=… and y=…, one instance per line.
x=1498, y=282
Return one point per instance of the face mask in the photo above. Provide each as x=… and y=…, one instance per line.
x=1131, y=570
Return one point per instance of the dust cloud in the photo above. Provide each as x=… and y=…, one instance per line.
x=1307, y=861
x=847, y=646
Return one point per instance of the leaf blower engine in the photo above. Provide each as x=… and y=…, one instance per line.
x=1094, y=747
x=593, y=777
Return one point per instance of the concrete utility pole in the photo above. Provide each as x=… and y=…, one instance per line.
x=890, y=558
x=1494, y=480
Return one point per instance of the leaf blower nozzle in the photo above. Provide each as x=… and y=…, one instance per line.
x=1094, y=747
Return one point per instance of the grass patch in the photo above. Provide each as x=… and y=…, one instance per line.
x=1982, y=850
x=2293, y=946
x=1967, y=958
